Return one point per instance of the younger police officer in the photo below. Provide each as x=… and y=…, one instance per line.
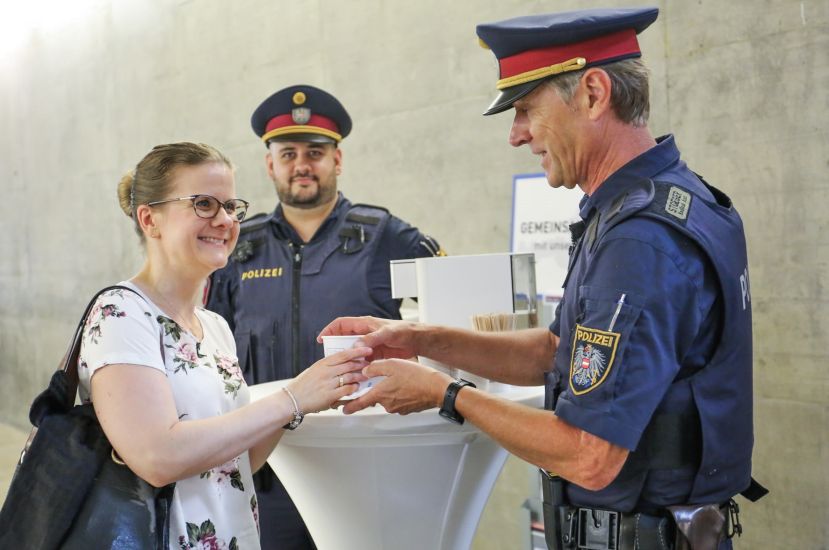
x=316, y=257
x=648, y=365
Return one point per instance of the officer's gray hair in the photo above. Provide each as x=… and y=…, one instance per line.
x=629, y=95
x=152, y=180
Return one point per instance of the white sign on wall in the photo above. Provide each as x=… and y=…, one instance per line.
x=541, y=218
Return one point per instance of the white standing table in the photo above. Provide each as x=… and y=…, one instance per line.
x=378, y=481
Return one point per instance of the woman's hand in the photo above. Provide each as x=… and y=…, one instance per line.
x=329, y=379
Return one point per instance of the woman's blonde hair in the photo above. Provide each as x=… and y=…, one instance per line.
x=151, y=179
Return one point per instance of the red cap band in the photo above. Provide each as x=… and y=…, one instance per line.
x=319, y=121
x=619, y=44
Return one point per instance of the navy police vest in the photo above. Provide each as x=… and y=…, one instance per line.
x=287, y=293
x=720, y=392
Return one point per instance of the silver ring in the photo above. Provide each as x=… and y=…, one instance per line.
x=341, y=382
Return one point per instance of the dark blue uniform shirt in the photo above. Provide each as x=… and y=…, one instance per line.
x=399, y=241
x=277, y=292
x=642, y=314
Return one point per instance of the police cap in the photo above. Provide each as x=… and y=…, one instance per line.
x=534, y=48
x=301, y=113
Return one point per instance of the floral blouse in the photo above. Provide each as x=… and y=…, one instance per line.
x=217, y=509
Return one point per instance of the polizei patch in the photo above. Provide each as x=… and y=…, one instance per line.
x=593, y=354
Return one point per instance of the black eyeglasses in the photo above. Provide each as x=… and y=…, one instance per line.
x=206, y=206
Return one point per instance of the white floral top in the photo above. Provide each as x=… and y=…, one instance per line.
x=217, y=509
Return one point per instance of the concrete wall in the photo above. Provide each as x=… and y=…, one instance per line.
x=742, y=84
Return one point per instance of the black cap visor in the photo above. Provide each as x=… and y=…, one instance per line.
x=510, y=95
x=306, y=137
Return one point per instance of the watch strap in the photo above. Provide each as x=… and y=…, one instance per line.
x=448, y=409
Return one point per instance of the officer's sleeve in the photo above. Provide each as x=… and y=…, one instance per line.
x=639, y=310
x=403, y=241
x=399, y=241
x=555, y=326
x=220, y=294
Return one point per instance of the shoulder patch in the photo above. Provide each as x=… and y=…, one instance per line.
x=592, y=358
x=359, y=218
x=254, y=222
x=357, y=205
x=678, y=203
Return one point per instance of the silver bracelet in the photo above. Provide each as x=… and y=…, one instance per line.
x=298, y=414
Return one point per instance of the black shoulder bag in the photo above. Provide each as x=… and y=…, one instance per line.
x=70, y=490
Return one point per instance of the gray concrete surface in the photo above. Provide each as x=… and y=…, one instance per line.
x=741, y=83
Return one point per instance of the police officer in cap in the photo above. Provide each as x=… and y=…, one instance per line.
x=647, y=433
x=315, y=257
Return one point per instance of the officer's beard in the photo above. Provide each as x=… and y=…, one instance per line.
x=325, y=193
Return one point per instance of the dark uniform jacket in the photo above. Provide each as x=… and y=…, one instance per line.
x=277, y=293
x=655, y=351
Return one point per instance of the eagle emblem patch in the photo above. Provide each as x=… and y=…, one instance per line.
x=300, y=115
x=592, y=358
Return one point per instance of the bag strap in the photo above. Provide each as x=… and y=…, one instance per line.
x=70, y=365
x=63, y=387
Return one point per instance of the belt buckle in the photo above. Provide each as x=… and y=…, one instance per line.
x=598, y=529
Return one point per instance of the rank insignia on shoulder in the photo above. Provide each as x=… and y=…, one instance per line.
x=592, y=358
x=678, y=203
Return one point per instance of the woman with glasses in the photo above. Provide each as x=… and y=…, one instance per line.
x=163, y=374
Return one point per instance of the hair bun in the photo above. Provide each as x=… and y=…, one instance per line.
x=126, y=193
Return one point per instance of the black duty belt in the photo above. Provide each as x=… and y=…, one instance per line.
x=580, y=528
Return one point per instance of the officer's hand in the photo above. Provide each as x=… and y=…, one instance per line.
x=319, y=386
x=390, y=339
x=408, y=387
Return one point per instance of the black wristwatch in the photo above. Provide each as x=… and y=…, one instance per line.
x=448, y=411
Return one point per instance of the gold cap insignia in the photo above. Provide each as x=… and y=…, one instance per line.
x=299, y=98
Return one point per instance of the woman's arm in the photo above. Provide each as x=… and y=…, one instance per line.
x=137, y=412
x=136, y=409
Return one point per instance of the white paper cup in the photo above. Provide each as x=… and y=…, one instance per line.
x=336, y=344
